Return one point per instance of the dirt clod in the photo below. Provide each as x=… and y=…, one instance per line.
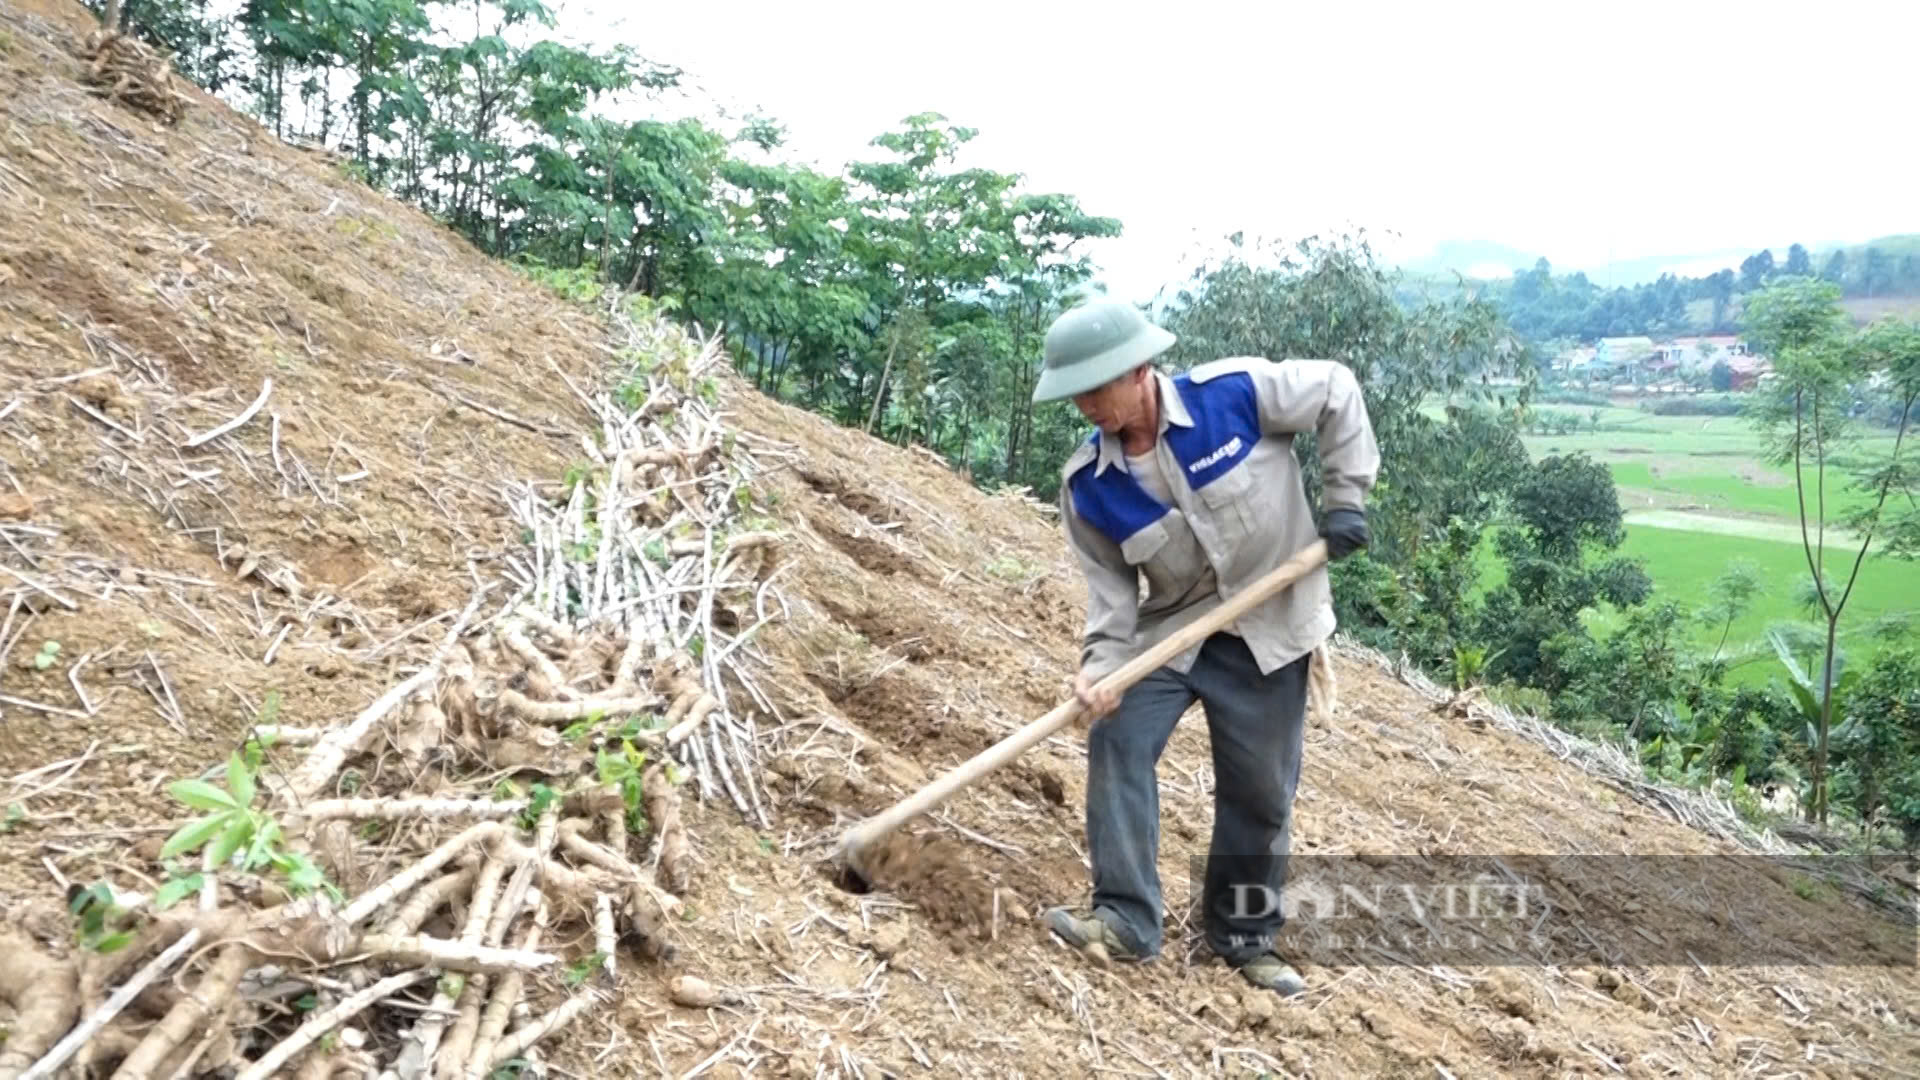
x=694, y=992
x=933, y=873
x=889, y=940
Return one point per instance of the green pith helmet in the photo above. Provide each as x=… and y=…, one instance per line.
x=1096, y=343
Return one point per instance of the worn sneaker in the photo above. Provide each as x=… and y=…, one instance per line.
x=1269, y=972
x=1090, y=934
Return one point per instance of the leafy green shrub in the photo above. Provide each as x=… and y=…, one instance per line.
x=1878, y=742
x=1751, y=723
x=1554, y=422
x=1368, y=601
x=1529, y=700
x=580, y=284
x=1695, y=406
x=1573, y=397
x=1423, y=609
x=1470, y=664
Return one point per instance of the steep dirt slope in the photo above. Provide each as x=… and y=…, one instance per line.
x=153, y=278
x=932, y=620
x=153, y=281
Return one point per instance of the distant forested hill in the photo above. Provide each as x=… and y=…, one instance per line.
x=1876, y=278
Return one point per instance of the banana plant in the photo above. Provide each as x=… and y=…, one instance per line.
x=1804, y=688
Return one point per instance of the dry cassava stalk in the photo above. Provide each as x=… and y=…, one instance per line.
x=560, y=712
x=701, y=706
x=205, y=1000
x=453, y=1053
x=326, y=758
x=553, y=628
x=603, y=933
x=663, y=812
x=45, y=995
x=408, y=809
x=574, y=840
x=455, y=691
x=517, y=1043
x=333, y=749
x=425, y=729
x=544, y=678
x=427, y=1031
x=506, y=995
x=626, y=676
x=625, y=580
x=426, y=900
x=613, y=822
x=270, y=1062
x=451, y=1058
x=453, y=955
x=643, y=905
x=400, y=883
x=79, y=1036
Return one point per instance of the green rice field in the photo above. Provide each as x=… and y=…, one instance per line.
x=1699, y=494
x=1683, y=564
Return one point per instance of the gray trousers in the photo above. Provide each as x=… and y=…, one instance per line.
x=1255, y=724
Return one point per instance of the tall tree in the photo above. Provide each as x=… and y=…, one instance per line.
x=1808, y=423
x=942, y=243
x=1836, y=268
x=1756, y=269
x=1876, y=275
x=1799, y=263
x=928, y=231
x=784, y=289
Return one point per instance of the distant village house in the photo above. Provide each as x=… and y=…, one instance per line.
x=1667, y=364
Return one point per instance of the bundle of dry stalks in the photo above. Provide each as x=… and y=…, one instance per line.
x=413, y=879
x=127, y=70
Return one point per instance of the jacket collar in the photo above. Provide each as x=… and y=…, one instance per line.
x=1173, y=412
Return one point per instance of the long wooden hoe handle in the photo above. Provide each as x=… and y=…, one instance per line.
x=993, y=757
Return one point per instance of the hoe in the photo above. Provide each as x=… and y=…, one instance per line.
x=859, y=840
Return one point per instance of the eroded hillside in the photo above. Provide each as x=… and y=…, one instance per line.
x=825, y=622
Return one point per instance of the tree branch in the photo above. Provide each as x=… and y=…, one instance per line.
x=1886, y=488
x=1800, y=492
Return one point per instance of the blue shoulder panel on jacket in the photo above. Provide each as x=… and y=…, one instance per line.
x=1113, y=502
x=1226, y=425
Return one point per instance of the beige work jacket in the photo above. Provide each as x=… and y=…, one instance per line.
x=1239, y=509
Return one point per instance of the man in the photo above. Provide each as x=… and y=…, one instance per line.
x=1191, y=483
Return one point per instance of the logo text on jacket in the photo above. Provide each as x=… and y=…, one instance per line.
x=1230, y=449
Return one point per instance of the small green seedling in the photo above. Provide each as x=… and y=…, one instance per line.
x=99, y=930
x=232, y=827
x=538, y=799
x=49, y=652
x=579, y=971
x=176, y=890
x=623, y=770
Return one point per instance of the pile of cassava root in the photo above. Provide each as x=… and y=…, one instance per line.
x=127, y=70
x=435, y=886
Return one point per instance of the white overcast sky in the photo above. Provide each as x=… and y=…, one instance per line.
x=1588, y=131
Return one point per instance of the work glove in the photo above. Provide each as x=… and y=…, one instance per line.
x=1345, y=531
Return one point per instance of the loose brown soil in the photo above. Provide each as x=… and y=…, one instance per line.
x=159, y=275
